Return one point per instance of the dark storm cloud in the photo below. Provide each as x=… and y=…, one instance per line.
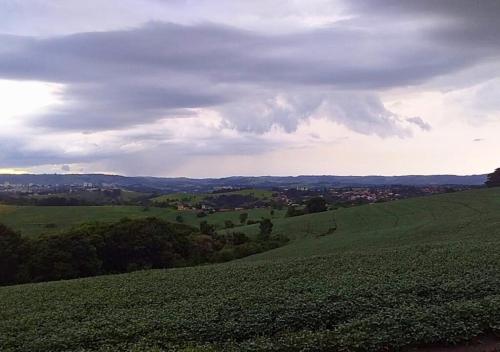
x=470, y=22
x=120, y=78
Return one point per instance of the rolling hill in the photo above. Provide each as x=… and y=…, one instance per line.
x=183, y=184
x=35, y=220
x=418, y=272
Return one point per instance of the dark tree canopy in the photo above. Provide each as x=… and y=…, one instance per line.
x=494, y=179
x=127, y=245
x=10, y=254
x=316, y=205
x=266, y=228
x=243, y=218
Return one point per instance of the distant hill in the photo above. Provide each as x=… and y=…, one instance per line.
x=193, y=185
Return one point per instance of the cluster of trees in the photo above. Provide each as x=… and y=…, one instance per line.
x=313, y=205
x=128, y=245
x=494, y=179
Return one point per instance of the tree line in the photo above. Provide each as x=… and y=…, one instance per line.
x=125, y=246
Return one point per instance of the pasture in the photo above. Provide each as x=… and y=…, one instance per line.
x=35, y=220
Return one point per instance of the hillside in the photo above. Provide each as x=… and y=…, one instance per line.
x=198, y=197
x=34, y=220
x=423, y=271
x=182, y=184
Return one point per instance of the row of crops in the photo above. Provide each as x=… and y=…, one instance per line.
x=352, y=298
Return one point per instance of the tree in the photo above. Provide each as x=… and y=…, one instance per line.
x=494, y=179
x=179, y=218
x=228, y=224
x=243, y=218
x=292, y=211
x=266, y=228
x=10, y=255
x=206, y=228
x=316, y=205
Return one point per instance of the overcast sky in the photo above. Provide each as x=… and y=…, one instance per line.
x=209, y=88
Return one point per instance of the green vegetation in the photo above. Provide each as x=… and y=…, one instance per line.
x=193, y=198
x=125, y=246
x=494, y=179
x=371, y=278
x=35, y=220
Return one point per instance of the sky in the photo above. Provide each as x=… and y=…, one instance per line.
x=214, y=88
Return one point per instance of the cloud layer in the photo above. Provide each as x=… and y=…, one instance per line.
x=254, y=81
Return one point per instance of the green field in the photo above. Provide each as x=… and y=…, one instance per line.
x=194, y=198
x=34, y=220
x=422, y=271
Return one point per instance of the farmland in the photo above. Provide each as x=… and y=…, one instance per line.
x=424, y=271
x=198, y=197
x=34, y=220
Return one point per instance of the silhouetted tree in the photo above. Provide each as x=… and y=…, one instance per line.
x=243, y=218
x=206, y=228
x=266, y=228
x=494, y=179
x=10, y=255
x=316, y=205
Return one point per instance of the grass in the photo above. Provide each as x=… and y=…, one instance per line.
x=406, y=273
x=34, y=220
x=194, y=198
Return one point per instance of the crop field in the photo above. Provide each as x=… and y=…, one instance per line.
x=417, y=272
x=34, y=220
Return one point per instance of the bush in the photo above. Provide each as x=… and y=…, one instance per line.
x=316, y=205
x=293, y=211
x=266, y=227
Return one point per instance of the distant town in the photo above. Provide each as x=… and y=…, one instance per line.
x=217, y=198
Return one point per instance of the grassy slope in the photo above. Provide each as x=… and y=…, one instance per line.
x=32, y=220
x=471, y=215
x=196, y=198
x=411, y=272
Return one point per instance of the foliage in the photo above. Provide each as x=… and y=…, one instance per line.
x=124, y=246
x=373, y=301
x=206, y=228
x=315, y=205
x=10, y=254
x=494, y=179
x=293, y=211
x=243, y=218
x=266, y=228
x=393, y=275
x=33, y=220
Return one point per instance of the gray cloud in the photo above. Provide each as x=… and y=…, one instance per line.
x=425, y=126
x=463, y=22
x=120, y=78
x=115, y=79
